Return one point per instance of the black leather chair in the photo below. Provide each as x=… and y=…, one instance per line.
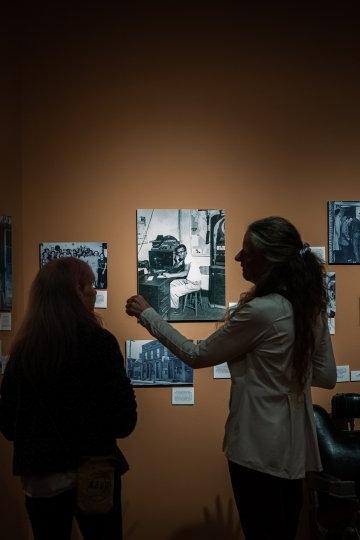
x=334, y=493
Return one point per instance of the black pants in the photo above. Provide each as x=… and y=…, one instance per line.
x=51, y=517
x=268, y=506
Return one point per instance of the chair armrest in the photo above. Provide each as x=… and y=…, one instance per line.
x=326, y=483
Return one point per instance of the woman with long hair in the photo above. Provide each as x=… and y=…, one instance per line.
x=65, y=395
x=277, y=345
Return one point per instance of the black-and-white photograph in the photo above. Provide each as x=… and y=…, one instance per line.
x=94, y=253
x=5, y=264
x=149, y=363
x=344, y=232
x=331, y=300
x=181, y=262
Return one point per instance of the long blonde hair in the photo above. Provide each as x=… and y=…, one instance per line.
x=293, y=271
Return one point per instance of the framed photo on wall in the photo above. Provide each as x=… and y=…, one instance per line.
x=5, y=264
x=93, y=253
x=344, y=232
x=181, y=262
x=149, y=363
x=331, y=300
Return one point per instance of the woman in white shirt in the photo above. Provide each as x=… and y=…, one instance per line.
x=277, y=346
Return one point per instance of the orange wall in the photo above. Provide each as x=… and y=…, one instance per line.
x=12, y=514
x=148, y=111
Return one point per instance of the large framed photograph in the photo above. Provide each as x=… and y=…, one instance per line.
x=149, y=363
x=181, y=262
x=5, y=264
x=344, y=232
x=94, y=253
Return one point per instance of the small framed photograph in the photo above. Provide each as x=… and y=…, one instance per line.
x=344, y=232
x=149, y=363
x=93, y=253
x=5, y=264
x=331, y=300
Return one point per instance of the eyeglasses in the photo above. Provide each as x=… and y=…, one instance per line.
x=181, y=251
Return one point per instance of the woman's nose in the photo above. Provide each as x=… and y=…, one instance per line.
x=238, y=256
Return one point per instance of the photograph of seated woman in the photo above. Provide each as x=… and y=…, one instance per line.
x=65, y=395
x=277, y=345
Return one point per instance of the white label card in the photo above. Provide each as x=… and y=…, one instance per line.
x=221, y=371
x=5, y=320
x=101, y=299
x=183, y=396
x=355, y=375
x=343, y=373
x=331, y=325
x=3, y=361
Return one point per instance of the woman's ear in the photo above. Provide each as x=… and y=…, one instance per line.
x=88, y=295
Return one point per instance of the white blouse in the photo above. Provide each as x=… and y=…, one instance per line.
x=270, y=427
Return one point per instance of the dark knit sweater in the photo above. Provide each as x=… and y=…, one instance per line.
x=78, y=411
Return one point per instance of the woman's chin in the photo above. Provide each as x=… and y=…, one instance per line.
x=247, y=277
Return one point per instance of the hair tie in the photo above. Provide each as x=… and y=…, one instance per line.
x=305, y=249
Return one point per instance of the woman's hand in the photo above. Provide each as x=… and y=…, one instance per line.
x=135, y=305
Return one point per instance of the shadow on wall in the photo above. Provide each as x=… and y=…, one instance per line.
x=223, y=524
x=129, y=531
x=220, y=524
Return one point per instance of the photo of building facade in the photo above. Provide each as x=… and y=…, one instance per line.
x=149, y=363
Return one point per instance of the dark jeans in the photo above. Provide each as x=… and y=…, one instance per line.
x=268, y=506
x=51, y=517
